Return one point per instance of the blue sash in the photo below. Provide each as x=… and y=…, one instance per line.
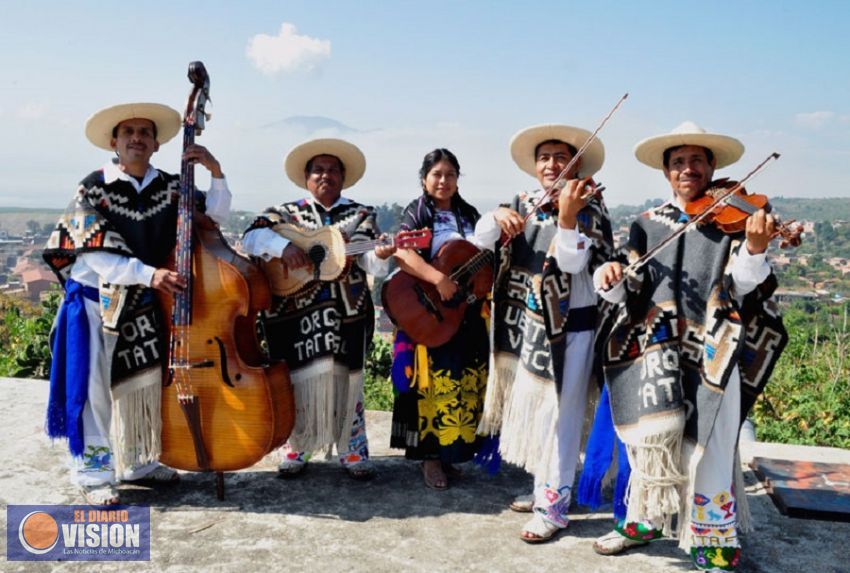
x=598, y=455
x=69, y=370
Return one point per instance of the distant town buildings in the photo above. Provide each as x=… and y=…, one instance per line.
x=22, y=272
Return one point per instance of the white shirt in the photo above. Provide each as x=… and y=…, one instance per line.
x=748, y=271
x=572, y=253
x=122, y=270
x=267, y=244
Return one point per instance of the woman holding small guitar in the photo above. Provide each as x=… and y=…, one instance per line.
x=441, y=387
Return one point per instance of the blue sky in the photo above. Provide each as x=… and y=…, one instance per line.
x=400, y=78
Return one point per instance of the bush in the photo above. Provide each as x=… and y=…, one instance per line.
x=808, y=398
x=24, y=332
x=377, y=385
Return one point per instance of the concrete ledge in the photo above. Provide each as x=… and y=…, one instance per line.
x=324, y=521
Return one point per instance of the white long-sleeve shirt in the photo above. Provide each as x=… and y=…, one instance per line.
x=267, y=244
x=572, y=253
x=748, y=271
x=123, y=270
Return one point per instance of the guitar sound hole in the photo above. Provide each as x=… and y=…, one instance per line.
x=316, y=254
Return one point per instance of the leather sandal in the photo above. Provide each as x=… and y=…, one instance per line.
x=104, y=494
x=614, y=543
x=539, y=530
x=361, y=471
x=434, y=477
x=522, y=504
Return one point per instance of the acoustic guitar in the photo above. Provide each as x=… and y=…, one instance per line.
x=329, y=255
x=415, y=306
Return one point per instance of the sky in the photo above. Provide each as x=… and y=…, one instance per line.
x=401, y=78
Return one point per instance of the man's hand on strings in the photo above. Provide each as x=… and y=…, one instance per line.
x=200, y=154
x=761, y=227
x=509, y=221
x=612, y=273
x=384, y=252
x=168, y=281
x=293, y=257
x=571, y=201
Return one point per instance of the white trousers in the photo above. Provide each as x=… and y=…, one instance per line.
x=97, y=464
x=552, y=490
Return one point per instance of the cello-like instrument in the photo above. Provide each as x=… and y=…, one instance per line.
x=223, y=406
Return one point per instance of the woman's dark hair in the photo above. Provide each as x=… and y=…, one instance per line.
x=419, y=214
x=434, y=158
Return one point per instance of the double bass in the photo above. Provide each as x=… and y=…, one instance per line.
x=223, y=406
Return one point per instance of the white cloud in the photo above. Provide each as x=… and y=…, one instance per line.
x=32, y=110
x=815, y=119
x=286, y=52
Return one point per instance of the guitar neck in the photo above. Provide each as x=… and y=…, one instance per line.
x=360, y=247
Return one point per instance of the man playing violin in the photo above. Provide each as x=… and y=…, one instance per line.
x=544, y=317
x=694, y=341
x=110, y=251
x=324, y=331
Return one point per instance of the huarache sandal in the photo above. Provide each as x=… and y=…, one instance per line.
x=614, y=543
x=160, y=475
x=103, y=494
x=361, y=471
x=539, y=530
x=435, y=478
x=290, y=468
x=522, y=504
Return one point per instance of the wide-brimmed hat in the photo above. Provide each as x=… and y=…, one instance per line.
x=727, y=150
x=100, y=125
x=526, y=140
x=349, y=154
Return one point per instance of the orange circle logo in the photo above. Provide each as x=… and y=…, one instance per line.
x=38, y=532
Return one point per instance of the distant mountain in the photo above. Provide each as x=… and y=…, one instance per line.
x=311, y=123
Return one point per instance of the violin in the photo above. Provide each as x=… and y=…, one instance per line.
x=713, y=207
x=550, y=201
x=731, y=214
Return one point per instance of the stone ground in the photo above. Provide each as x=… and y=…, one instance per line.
x=324, y=521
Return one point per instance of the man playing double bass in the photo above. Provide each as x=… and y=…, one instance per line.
x=694, y=343
x=324, y=331
x=110, y=250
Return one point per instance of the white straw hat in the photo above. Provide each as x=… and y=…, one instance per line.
x=727, y=150
x=526, y=140
x=99, y=126
x=349, y=154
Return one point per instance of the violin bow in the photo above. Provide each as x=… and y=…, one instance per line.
x=561, y=180
x=721, y=199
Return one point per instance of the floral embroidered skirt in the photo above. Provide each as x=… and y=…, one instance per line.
x=436, y=417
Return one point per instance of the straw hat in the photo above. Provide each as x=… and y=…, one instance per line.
x=349, y=154
x=727, y=150
x=99, y=126
x=524, y=142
